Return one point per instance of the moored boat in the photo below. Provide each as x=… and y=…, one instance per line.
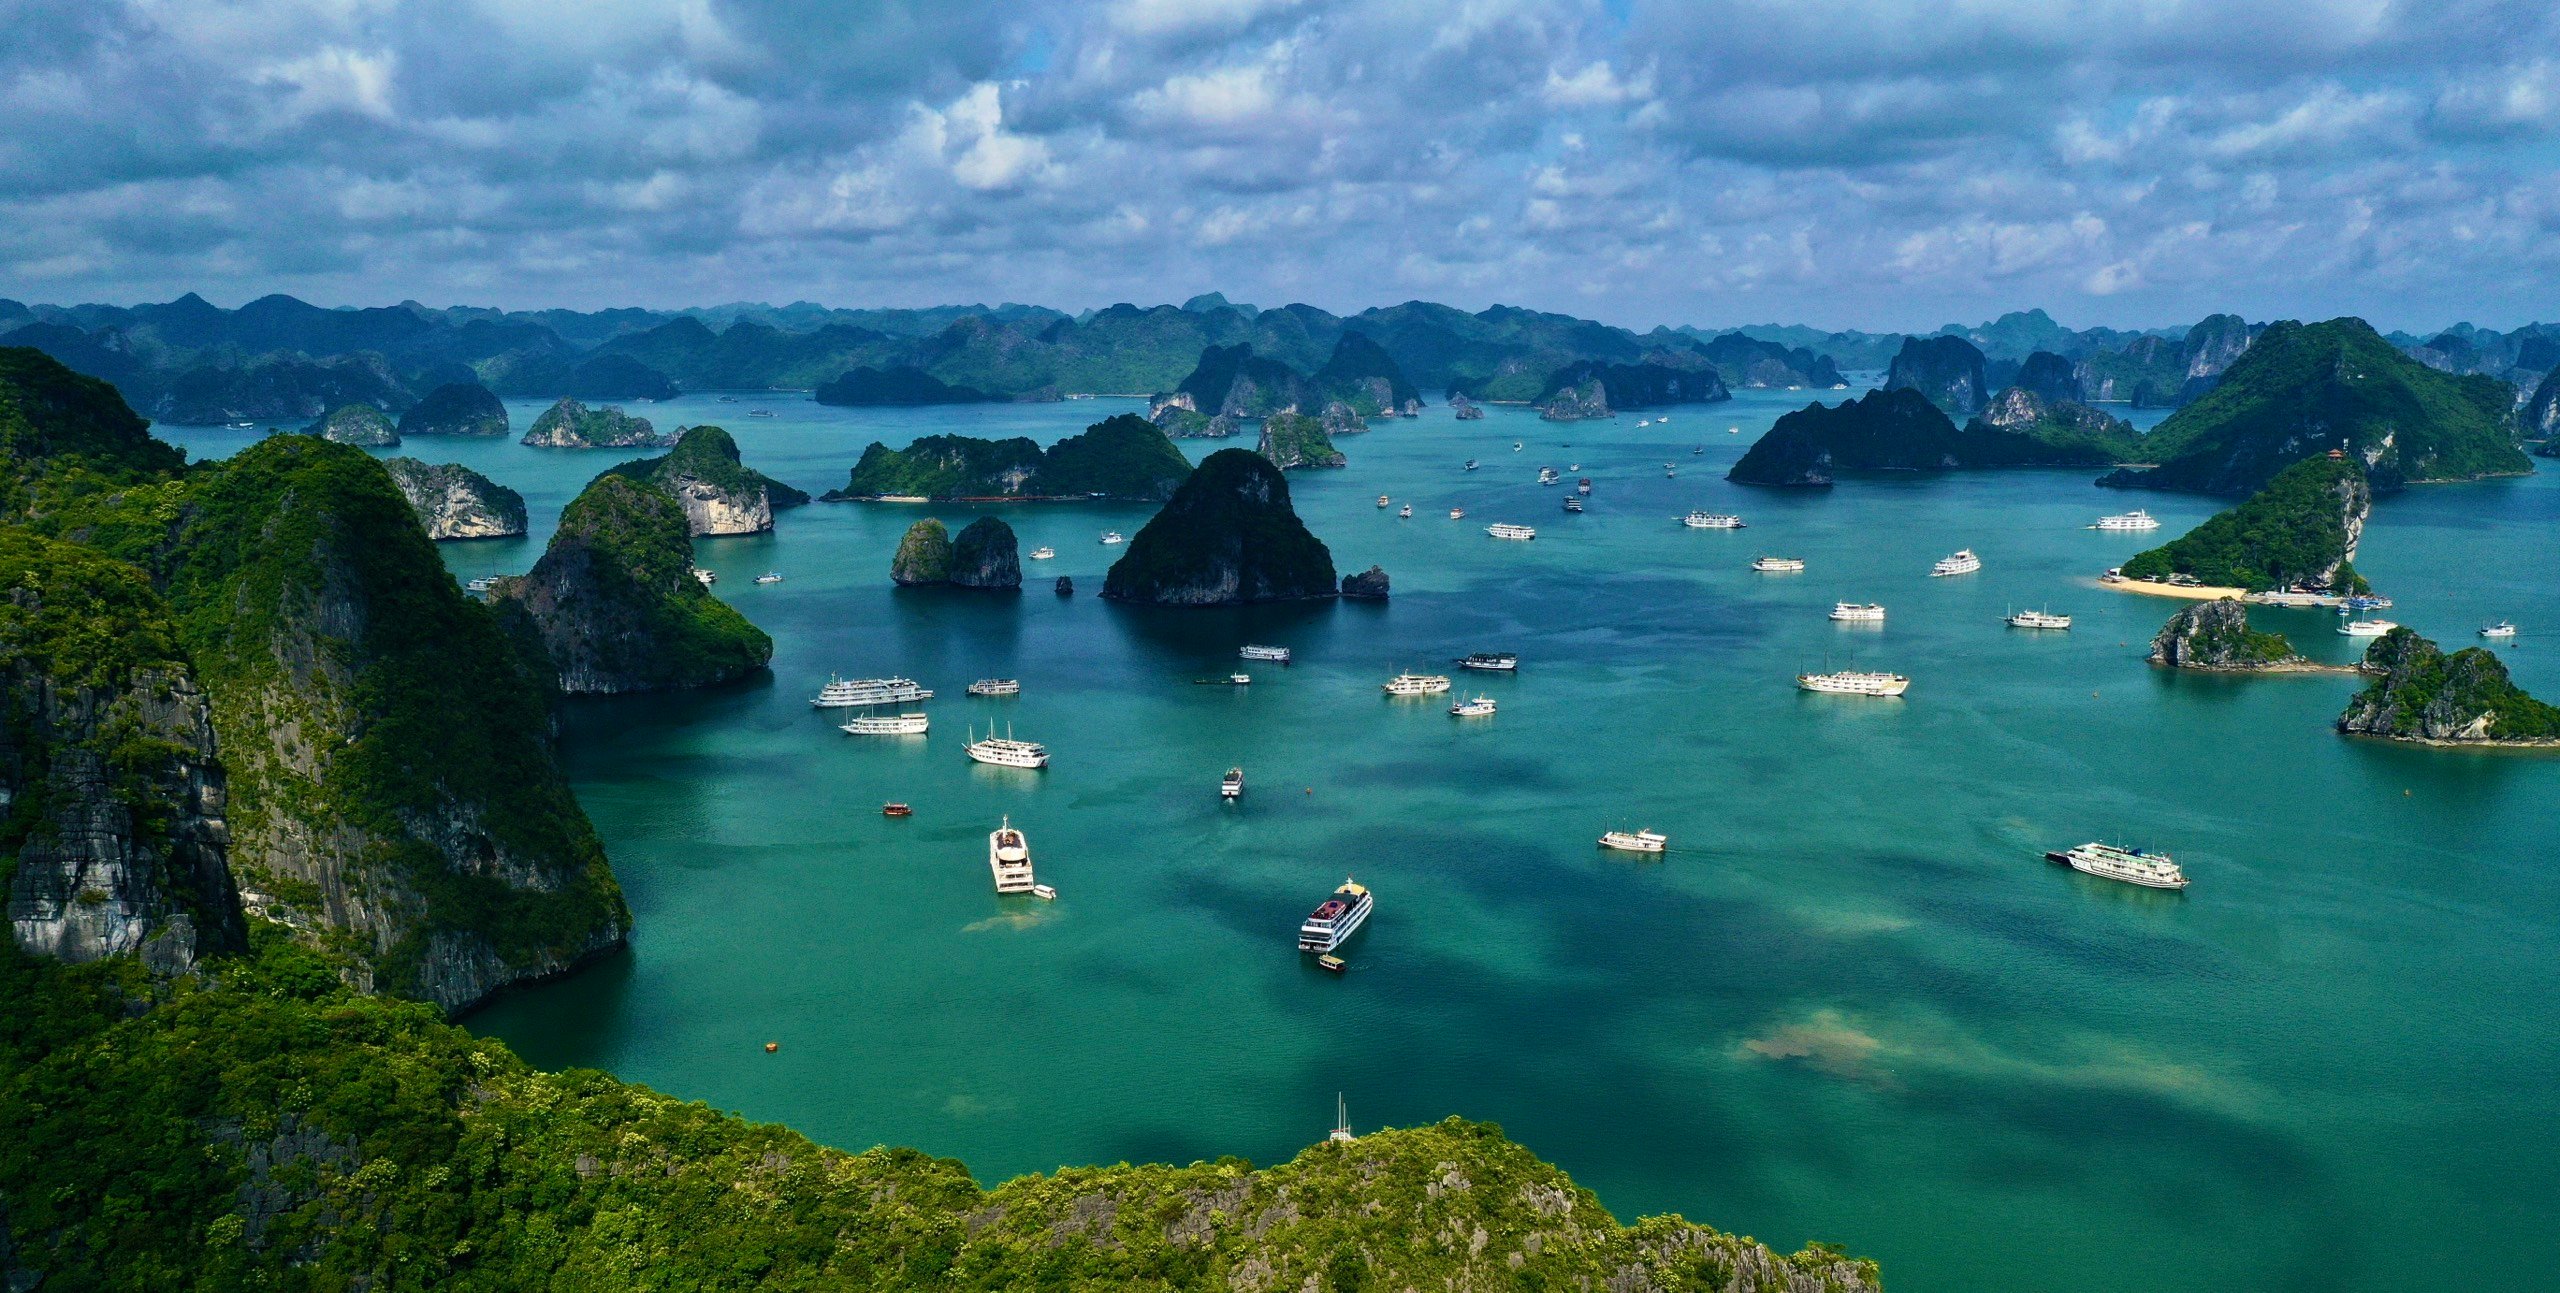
x=1857, y=612
x=1645, y=841
x=847, y=693
x=704, y=577
x=770, y=577
x=1336, y=919
x=1711, y=521
x=2038, y=620
x=1491, y=662
x=2137, y=519
x=2501, y=629
x=483, y=584
x=1473, y=707
x=1110, y=537
x=1231, y=786
x=995, y=687
x=886, y=725
x=2132, y=866
x=1405, y=513
x=1043, y=554
x=895, y=808
x=1044, y=893
x=1573, y=502
x=1333, y=963
x=2372, y=628
x=1457, y=514
x=1009, y=858
x=1506, y=530
x=1471, y=464
x=1961, y=562
x=1416, y=684
x=1005, y=752
x=1778, y=565
x=1548, y=476
x=1274, y=654
x=1382, y=500
x=1855, y=682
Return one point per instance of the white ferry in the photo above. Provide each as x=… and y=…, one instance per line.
x=1548, y=476
x=483, y=584
x=1851, y=682
x=1043, y=554
x=1457, y=514
x=1505, y=530
x=1405, y=513
x=886, y=725
x=845, y=693
x=1858, y=612
x=1476, y=707
x=1231, y=786
x=1635, y=841
x=1711, y=521
x=1778, y=565
x=1645, y=422
x=2501, y=629
x=1336, y=920
x=1962, y=563
x=1110, y=537
x=1009, y=857
x=1415, y=684
x=2137, y=519
x=2133, y=866
x=1006, y=752
x=1491, y=662
x=1382, y=500
x=1276, y=655
x=1582, y=486
x=996, y=687
x=2039, y=620
x=770, y=577
x=2366, y=628
x=1573, y=502
x=1043, y=892
x=704, y=577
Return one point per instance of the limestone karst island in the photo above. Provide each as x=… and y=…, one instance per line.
x=1279, y=646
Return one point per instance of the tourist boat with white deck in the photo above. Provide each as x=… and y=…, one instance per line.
x=1506, y=530
x=1778, y=565
x=1711, y=521
x=1473, y=707
x=1962, y=562
x=1231, y=786
x=1854, y=682
x=2366, y=628
x=1009, y=858
x=2038, y=620
x=1416, y=684
x=2137, y=519
x=1274, y=654
x=1491, y=662
x=1857, y=612
x=1635, y=841
x=1005, y=752
x=995, y=687
x=849, y=693
x=2132, y=866
x=885, y=725
x=1336, y=919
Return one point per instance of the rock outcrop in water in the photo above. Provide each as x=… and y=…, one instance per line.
x=2540, y=417
x=1745, y=361
x=2300, y=531
x=1900, y=430
x=1227, y=536
x=1121, y=457
x=455, y=502
x=457, y=408
x=2057, y=433
x=1590, y=388
x=613, y=603
x=2215, y=636
x=1369, y=585
x=356, y=424
x=719, y=493
x=1576, y=402
x=572, y=425
x=1946, y=370
x=1464, y=409
x=1294, y=440
x=1363, y=377
x=2422, y=694
x=986, y=555
x=923, y=556
x=2049, y=377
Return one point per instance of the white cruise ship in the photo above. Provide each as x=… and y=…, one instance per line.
x=2366, y=628
x=1416, y=684
x=1006, y=752
x=704, y=577
x=2501, y=629
x=1711, y=521
x=996, y=687
x=1231, y=786
x=1043, y=554
x=1635, y=841
x=1548, y=476
x=1851, y=682
x=1857, y=612
x=1336, y=919
x=1778, y=565
x=2038, y=620
x=1110, y=537
x=1457, y=514
x=483, y=584
x=1473, y=707
x=1962, y=563
x=2137, y=519
x=770, y=577
x=1009, y=858
x=886, y=725
x=2133, y=866
x=846, y=693
x=1405, y=513
x=1491, y=662
x=1276, y=655
x=1506, y=530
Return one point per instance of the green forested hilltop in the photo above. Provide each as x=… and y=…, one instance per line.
x=2301, y=529
x=267, y=1129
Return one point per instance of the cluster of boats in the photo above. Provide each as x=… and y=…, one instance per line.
x=872, y=693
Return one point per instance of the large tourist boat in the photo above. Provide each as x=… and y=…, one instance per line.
x=1043, y=554
x=2133, y=866
x=1491, y=662
x=1573, y=502
x=848, y=693
x=1231, y=786
x=1473, y=707
x=1853, y=682
x=1382, y=500
x=2137, y=519
x=770, y=577
x=2501, y=629
x=886, y=725
x=1006, y=752
x=996, y=687
x=1548, y=476
x=1110, y=537
x=1336, y=919
x=1635, y=841
x=1858, y=612
x=1416, y=684
x=1506, y=530
x=1778, y=565
x=1009, y=857
x=483, y=584
x=1276, y=655
x=1963, y=562
x=2038, y=620
x=1711, y=521
x=2366, y=628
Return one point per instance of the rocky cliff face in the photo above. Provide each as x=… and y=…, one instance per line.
x=1369, y=585
x=356, y=424
x=1577, y=402
x=2540, y=417
x=613, y=603
x=1464, y=409
x=1362, y=375
x=572, y=425
x=2060, y=423
x=1294, y=440
x=1946, y=369
x=2216, y=636
x=923, y=557
x=2466, y=698
x=719, y=493
x=1899, y=430
x=1227, y=536
x=1591, y=388
x=455, y=502
x=110, y=788
x=2211, y=347
x=457, y=408
x=986, y=556
x=2049, y=376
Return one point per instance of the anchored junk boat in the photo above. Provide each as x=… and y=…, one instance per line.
x=2133, y=866
x=848, y=693
x=1853, y=682
x=1006, y=752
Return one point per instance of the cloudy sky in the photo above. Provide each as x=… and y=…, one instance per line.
x=1839, y=162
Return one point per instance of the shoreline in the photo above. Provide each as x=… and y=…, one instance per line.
x=2538, y=745
x=2183, y=592
x=2296, y=666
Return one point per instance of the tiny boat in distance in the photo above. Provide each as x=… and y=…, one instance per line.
x=1231, y=786
x=1471, y=464
x=2039, y=620
x=1336, y=919
x=1963, y=562
x=1009, y=857
x=848, y=693
x=1474, y=707
x=1239, y=680
x=1043, y=554
x=1006, y=752
x=1778, y=565
x=2137, y=519
x=770, y=577
x=896, y=809
x=1573, y=502
x=995, y=687
x=2366, y=628
x=1858, y=612
x=1635, y=841
x=1405, y=513
x=1415, y=684
x=1548, y=476
x=886, y=725
x=1277, y=655
x=1044, y=893
x=1646, y=422
x=1711, y=521
x=1491, y=662
x=2133, y=866
x=1457, y=514
x=483, y=584
x=1110, y=537
x=1382, y=500
x=1505, y=530
x=705, y=577
x=1582, y=486
x=1515, y=446
x=1852, y=682
x=1573, y=466
x=2501, y=629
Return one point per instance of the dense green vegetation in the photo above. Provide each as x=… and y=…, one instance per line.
x=1361, y=374
x=1294, y=440
x=1121, y=457
x=710, y=454
x=357, y=424
x=456, y=408
x=896, y=386
x=1228, y=535
x=1900, y=430
x=572, y=425
x=924, y=554
x=1640, y=385
x=2300, y=529
x=2422, y=693
x=2304, y=389
x=2216, y=635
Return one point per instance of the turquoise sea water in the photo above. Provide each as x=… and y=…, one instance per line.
x=1852, y=1004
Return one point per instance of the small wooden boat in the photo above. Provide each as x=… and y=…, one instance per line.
x=1044, y=893
x=1333, y=963
x=896, y=810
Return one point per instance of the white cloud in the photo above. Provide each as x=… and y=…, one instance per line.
x=331, y=79
x=1595, y=85
x=982, y=153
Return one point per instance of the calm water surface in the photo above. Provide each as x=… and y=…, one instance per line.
x=1852, y=1004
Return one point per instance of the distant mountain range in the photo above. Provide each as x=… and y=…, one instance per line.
x=278, y=359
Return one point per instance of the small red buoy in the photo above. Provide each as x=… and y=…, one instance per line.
x=771, y=1047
